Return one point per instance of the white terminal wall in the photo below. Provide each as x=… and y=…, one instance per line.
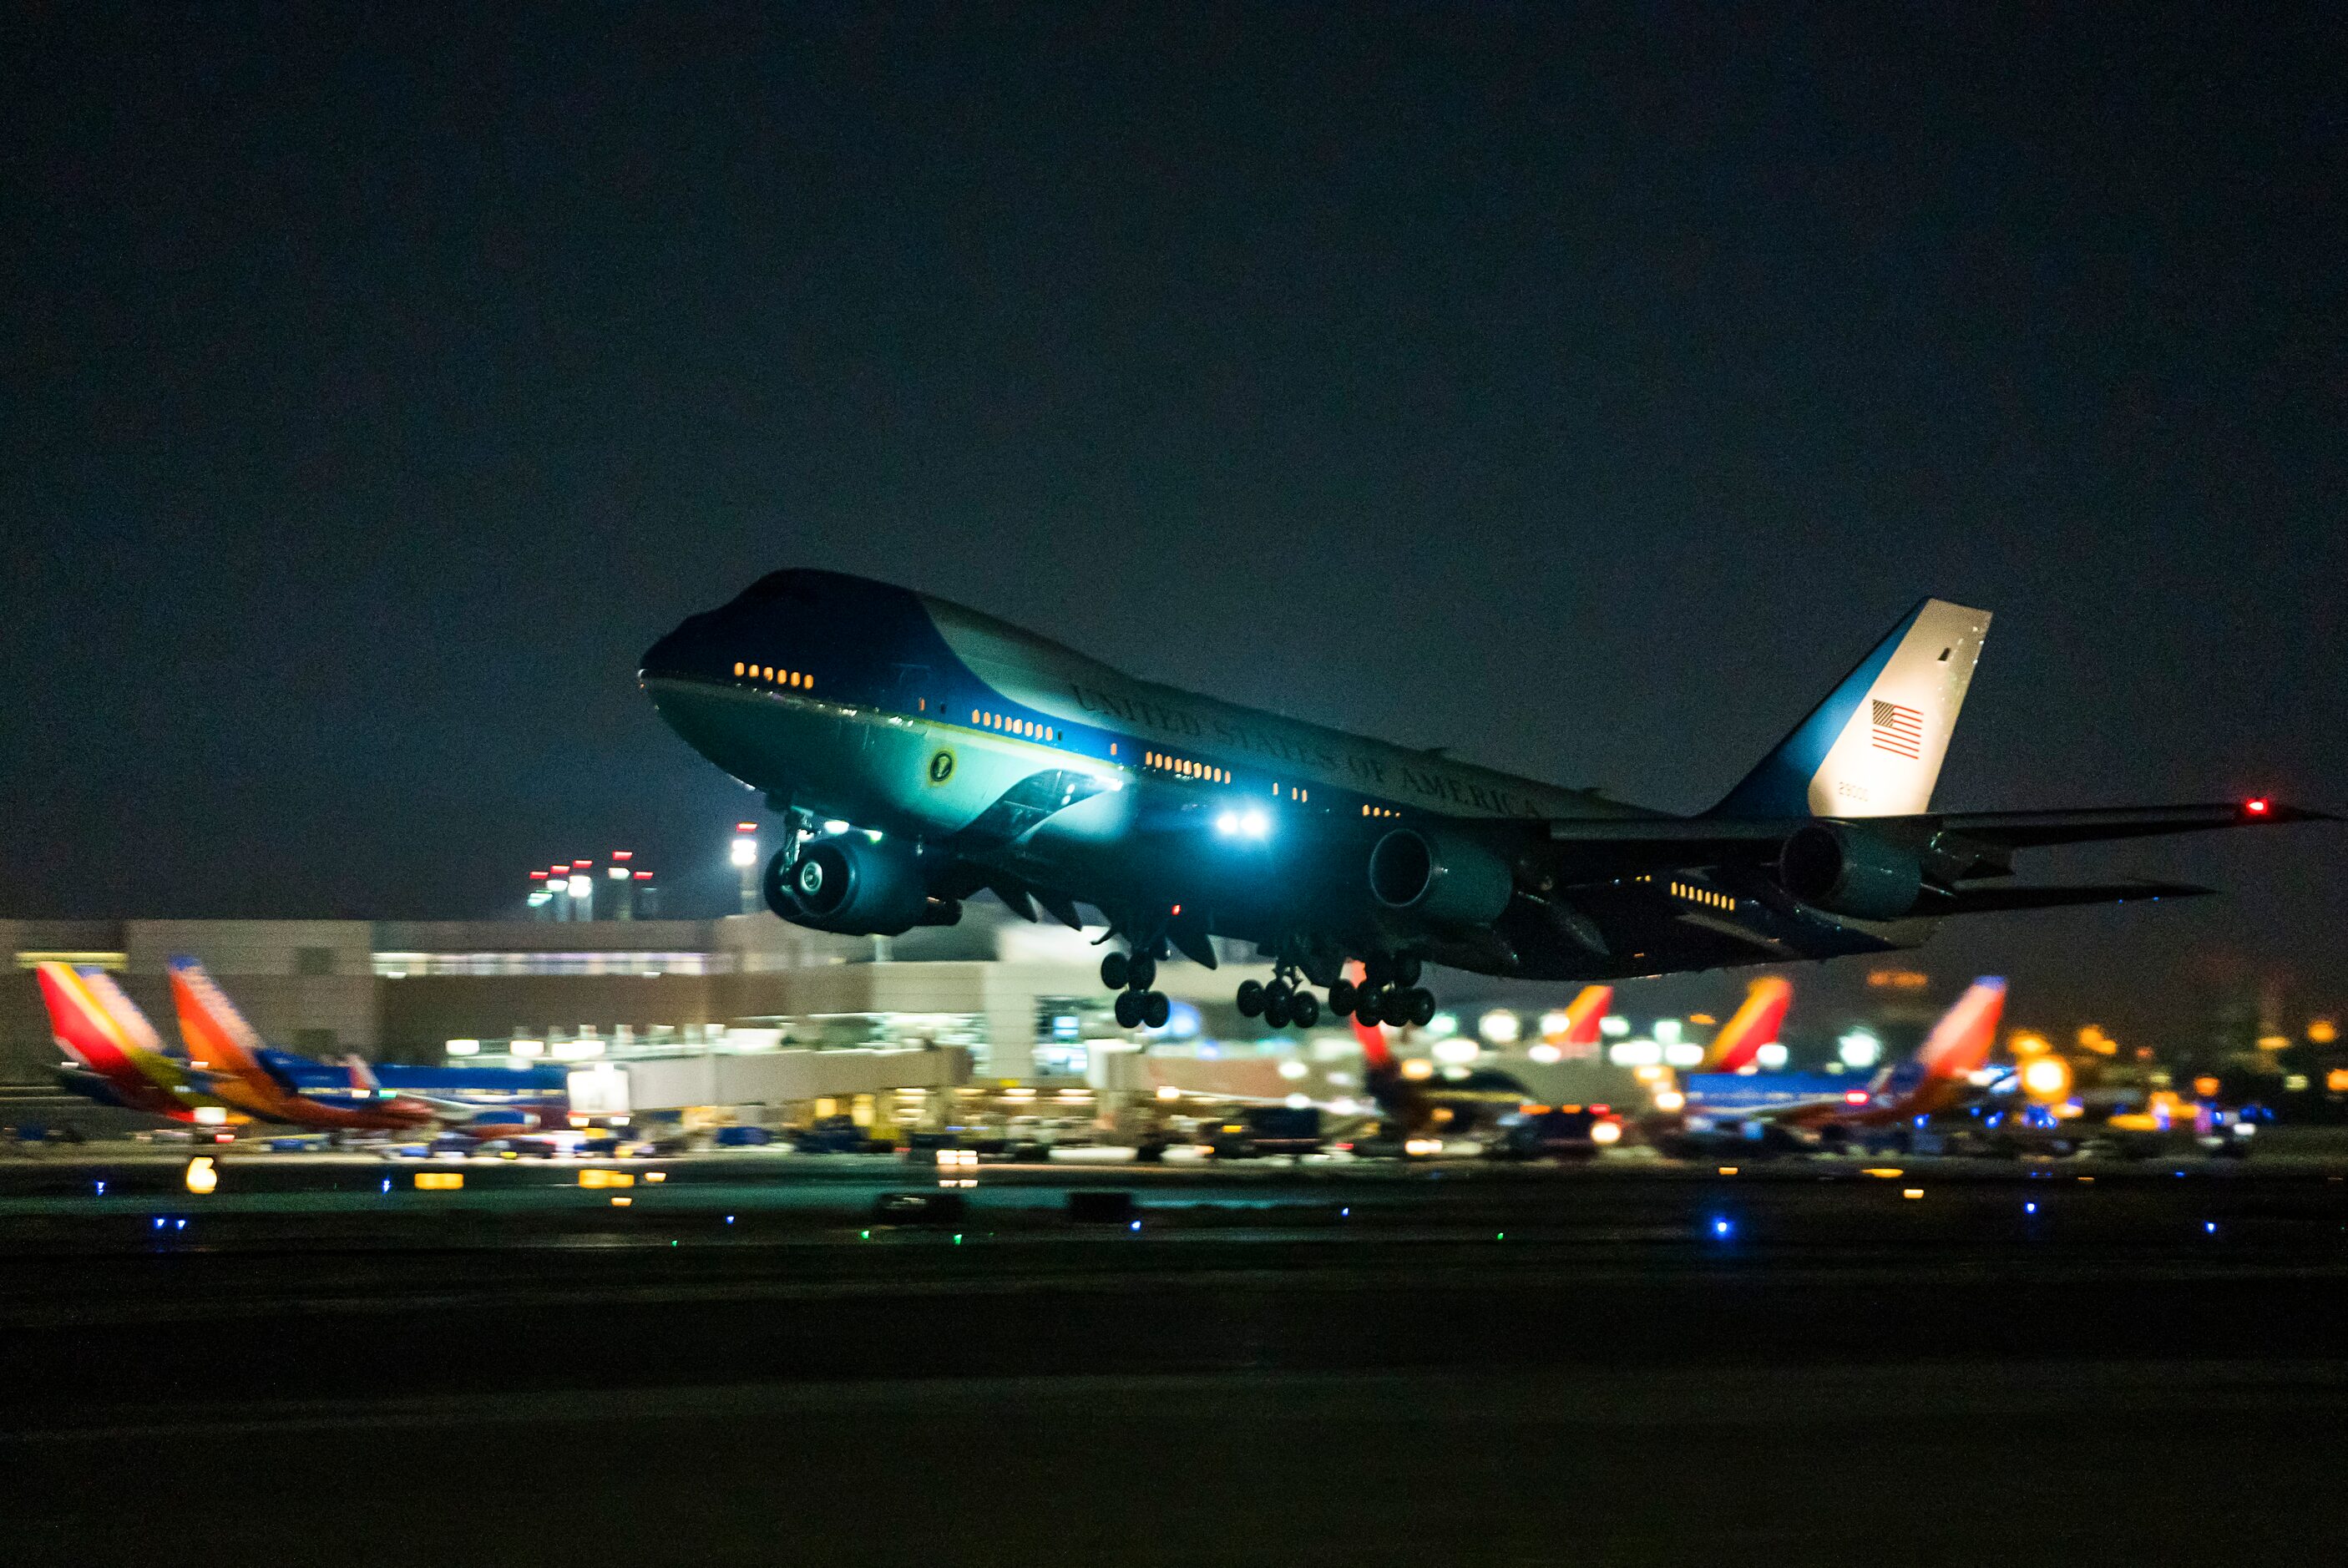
x=774, y=1077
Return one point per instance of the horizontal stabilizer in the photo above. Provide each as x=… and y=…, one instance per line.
x=1988, y=899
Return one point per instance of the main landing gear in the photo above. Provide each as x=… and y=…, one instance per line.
x=1138, y=1007
x=1389, y=993
x=1282, y=1002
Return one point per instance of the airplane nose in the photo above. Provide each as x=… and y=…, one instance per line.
x=660, y=659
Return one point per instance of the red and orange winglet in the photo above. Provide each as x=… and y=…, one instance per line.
x=1754, y=1026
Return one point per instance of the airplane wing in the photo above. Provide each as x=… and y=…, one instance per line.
x=2094, y=824
x=1988, y=899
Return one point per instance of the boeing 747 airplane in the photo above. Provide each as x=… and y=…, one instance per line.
x=921, y=752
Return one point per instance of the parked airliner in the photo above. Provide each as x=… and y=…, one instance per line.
x=921, y=752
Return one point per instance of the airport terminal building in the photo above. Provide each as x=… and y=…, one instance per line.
x=745, y=1008
x=740, y=1011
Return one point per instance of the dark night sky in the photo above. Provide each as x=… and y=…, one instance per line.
x=1584, y=394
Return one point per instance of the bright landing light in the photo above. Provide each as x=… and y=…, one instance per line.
x=1254, y=823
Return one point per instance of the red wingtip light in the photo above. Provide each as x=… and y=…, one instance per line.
x=2257, y=808
x=1854, y=1097
x=538, y=876
x=746, y=827
x=643, y=876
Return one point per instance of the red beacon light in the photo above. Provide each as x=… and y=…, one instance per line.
x=1854, y=1097
x=643, y=876
x=538, y=876
x=2258, y=806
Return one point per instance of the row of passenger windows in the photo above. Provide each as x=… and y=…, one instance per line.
x=1026, y=726
x=1184, y=768
x=1380, y=811
x=799, y=678
x=1702, y=896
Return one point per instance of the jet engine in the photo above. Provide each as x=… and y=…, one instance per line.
x=1831, y=866
x=854, y=885
x=1440, y=877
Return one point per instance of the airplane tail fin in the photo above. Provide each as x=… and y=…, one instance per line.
x=128, y=1016
x=1752, y=1026
x=362, y=1076
x=1584, y=1014
x=1959, y=1043
x=1873, y=747
x=81, y=1023
x=217, y=1037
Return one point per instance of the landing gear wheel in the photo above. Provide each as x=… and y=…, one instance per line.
x=1406, y=969
x=1394, y=1008
x=1341, y=998
x=1275, y=1010
x=1129, y=1009
x=1154, y=1009
x=1250, y=999
x=1140, y=971
x=1304, y=1009
x=1367, y=1000
x=1422, y=1006
x=1115, y=970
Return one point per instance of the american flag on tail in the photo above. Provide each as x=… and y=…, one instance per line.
x=1899, y=729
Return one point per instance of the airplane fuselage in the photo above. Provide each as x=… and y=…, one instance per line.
x=847, y=700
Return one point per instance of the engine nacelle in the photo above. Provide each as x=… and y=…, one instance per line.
x=851, y=885
x=1439, y=877
x=1830, y=867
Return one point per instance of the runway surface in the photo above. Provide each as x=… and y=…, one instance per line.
x=1365, y=1363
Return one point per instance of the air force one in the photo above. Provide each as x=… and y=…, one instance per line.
x=923, y=752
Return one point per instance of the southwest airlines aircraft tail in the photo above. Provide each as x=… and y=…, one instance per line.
x=1583, y=1016
x=115, y=1055
x=919, y=753
x=1752, y=1026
